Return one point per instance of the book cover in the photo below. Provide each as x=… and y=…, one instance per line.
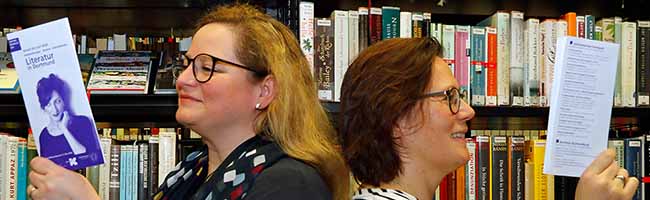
x=531, y=62
x=478, y=63
x=8, y=75
x=341, y=45
x=461, y=58
x=483, y=168
x=517, y=58
x=491, y=80
x=516, y=167
x=406, y=25
x=389, y=22
x=167, y=73
x=54, y=95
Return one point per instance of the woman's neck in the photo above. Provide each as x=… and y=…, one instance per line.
x=222, y=142
x=417, y=181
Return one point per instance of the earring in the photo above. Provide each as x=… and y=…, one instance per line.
x=257, y=106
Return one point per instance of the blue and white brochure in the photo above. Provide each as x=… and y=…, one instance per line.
x=55, y=98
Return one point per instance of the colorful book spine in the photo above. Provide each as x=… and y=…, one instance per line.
x=535, y=156
x=531, y=62
x=470, y=170
x=363, y=28
x=609, y=29
x=448, y=45
x=406, y=25
x=341, y=45
x=643, y=64
x=590, y=27
x=571, y=18
x=491, y=80
x=390, y=22
x=353, y=37
x=483, y=168
x=598, y=33
x=134, y=172
x=461, y=57
x=324, y=62
x=21, y=177
x=628, y=64
x=580, y=22
x=633, y=160
x=417, y=23
x=499, y=168
x=516, y=167
x=306, y=15
x=517, y=58
x=375, y=25
x=478, y=63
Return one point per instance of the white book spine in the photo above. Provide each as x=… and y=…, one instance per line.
x=84, y=44
x=628, y=64
x=353, y=30
x=166, y=153
x=436, y=29
x=10, y=166
x=306, y=15
x=517, y=58
x=341, y=46
x=448, y=44
x=405, y=25
x=503, y=60
x=3, y=168
x=531, y=62
x=470, y=172
x=105, y=169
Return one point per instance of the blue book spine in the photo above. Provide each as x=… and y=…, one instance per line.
x=633, y=161
x=477, y=72
x=123, y=168
x=129, y=174
x=390, y=22
x=21, y=192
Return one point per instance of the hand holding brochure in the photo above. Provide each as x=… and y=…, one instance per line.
x=581, y=102
x=54, y=95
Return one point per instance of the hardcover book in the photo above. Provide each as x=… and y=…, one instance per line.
x=54, y=95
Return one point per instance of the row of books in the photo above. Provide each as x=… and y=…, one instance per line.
x=505, y=60
x=132, y=170
x=509, y=165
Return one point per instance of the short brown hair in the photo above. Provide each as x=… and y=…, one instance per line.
x=380, y=87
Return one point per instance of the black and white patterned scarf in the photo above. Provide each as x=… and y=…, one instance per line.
x=232, y=179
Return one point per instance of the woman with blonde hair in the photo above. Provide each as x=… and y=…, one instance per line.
x=248, y=91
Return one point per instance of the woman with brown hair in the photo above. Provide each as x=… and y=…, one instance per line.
x=403, y=126
x=248, y=92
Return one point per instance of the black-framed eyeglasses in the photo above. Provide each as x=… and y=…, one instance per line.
x=453, y=97
x=203, y=66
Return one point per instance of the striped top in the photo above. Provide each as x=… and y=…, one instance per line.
x=381, y=194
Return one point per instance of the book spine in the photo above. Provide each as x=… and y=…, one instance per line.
x=166, y=153
x=426, y=29
x=492, y=67
x=499, y=168
x=470, y=170
x=306, y=15
x=143, y=169
x=21, y=179
x=503, y=60
x=478, y=64
x=609, y=29
x=363, y=28
x=618, y=88
x=516, y=169
x=460, y=182
x=11, y=166
x=643, y=62
x=461, y=57
x=646, y=167
x=153, y=165
x=31, y=152
x=417, y=25
x=375, y=25
x=580, y=22
x=123, y=171
x=531, y=62
x=545, y=40
x=436, y=31
x=571, y=19
x=134, y=172
x=405, y=25
x=105, y=169
x=324, y=63
x=628, y=64
x=341, y=46
x=483, y=168
x=353, y=35
x=115, y=172
x=590, y=27
x=517, y=58
x=448, y=44
x=390, y=22
x=633, y=160
x=598, y=33
x=4, y=148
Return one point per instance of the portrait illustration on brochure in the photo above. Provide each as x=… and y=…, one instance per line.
x=54, y=95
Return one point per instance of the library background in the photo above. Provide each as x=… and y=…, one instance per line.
x=501, y=52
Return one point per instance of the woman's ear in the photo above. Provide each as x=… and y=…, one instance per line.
x=267, y=92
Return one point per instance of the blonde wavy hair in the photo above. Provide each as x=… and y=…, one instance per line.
x=294, y=119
